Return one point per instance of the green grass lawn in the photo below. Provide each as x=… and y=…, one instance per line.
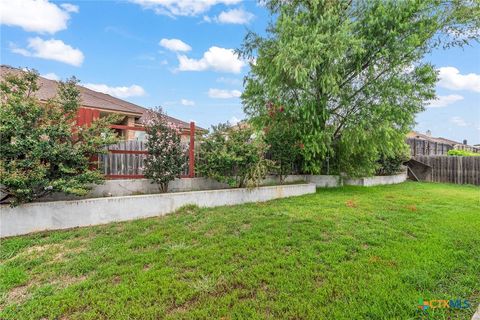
x=345, y=253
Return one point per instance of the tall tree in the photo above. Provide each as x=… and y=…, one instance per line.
x=351, y=73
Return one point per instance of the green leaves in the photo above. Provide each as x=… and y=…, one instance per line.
x=166, y=156
x=351, y=74
x=233, y=155
x=41, y=149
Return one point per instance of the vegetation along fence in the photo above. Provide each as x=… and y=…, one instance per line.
x=453, y=169
x=126, y=159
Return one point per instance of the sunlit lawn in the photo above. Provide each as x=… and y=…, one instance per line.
x=346, y=253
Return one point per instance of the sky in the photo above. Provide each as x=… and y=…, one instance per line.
x=179, y=55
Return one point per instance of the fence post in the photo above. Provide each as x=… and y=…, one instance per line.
x=191, y=154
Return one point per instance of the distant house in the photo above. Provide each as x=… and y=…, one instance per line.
x=96, y=105
x=425, y=144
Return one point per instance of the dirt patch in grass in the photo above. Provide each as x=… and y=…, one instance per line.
x=412, y=207
x=21, y=293
x=351, y=203
x=17, y=295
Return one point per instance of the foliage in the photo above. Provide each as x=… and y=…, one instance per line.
x=42, y=150
x=462, y=153
x=282, y=140
x=351, y=73
x=389, y=165
x=166, y=155
x=233, y=155
x=361, y=244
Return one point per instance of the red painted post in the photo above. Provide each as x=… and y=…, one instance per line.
x=191, y=154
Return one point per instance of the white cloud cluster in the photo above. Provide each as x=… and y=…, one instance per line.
x=451, y=78
x=175, y=45
x=216, y=59
x=181, y=7
x=36, y=15
x=223, y=94
x=443, y=101
x=51, y=50
x=235, y=16
x=186, y=102
x=119, y=92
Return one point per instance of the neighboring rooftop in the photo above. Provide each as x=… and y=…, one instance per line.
x=88, y=97
x=428, y=136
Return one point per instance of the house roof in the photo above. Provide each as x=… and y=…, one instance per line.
x=418, y=135
x=90, y=98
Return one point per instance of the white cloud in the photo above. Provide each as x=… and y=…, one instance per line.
x=459, y=121
x=181, y=7
x=69, y=7
x=119, y=92
x=444, y=101
x=36, y=16
x=451, y=78
x=234, y=120
x=174, y=45
x=187, y=102
x=223, y=94
x=235, y=16
x=217, y=59
x=51, y=50
x=51, y=76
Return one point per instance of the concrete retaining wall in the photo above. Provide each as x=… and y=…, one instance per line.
x=324, y=181
x=42, y=216
x=131, y=187
x=376, y=180
x=320, y=181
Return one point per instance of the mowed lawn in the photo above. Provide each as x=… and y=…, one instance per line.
x=344, y=253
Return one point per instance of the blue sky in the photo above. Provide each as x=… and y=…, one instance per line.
x=178, y=54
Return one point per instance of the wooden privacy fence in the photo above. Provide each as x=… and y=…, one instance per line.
x=126, y=159
x=420, y=147
x=453, y=169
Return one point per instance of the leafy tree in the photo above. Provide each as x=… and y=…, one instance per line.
x=351, y=73
x=166, y=155
x=42, y=150
x=283, y=141
x=233, y=155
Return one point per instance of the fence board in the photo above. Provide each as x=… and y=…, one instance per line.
x=420, y=147
x=453, y=169
x=130, y=163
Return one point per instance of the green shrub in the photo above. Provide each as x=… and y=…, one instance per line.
x=233, y=155
x=166, y=156
x=41, y=149
x=462, y=153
